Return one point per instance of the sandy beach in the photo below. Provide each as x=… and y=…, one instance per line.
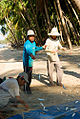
x=11, y=65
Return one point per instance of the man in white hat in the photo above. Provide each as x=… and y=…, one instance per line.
x=28, y=56
x=52, y=45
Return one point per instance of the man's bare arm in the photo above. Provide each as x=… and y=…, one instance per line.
x=21, y=101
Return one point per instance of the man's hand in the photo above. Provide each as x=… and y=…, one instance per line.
x=32, y=56
x=64, y=49
x=54, y=51
x=44, y=46
x=22, y=102
x=26, y=106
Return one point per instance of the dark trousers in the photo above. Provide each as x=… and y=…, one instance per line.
x=28, y=70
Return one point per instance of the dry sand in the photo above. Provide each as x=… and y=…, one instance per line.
x=11, y=65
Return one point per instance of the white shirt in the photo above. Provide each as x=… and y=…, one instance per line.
x=11, y=85
x=52, y=45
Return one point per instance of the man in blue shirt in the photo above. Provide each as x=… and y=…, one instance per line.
x=28, y=56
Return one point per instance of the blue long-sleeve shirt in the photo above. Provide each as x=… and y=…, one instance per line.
x=29, y=48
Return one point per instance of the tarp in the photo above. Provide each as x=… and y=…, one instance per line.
x=69, y=110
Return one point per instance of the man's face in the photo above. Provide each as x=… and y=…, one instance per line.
x=53, y=37
x=31, y=38
x=21, y=82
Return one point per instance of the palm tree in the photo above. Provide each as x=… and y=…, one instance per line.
x=64, y=24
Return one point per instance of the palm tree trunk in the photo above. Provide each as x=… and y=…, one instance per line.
x=29, y=18
x=74, y=12
x=11, y=30
x=23, y=18
x=71, y=17
x=72, y=29
x=47, y=16
x=64, y=25
x=34, y=14
x=59, y=21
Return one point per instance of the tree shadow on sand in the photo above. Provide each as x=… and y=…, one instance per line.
x=41, y=78
x=8, y=55
x=72, y=73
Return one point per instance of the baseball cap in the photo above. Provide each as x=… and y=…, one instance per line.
x=24, y=75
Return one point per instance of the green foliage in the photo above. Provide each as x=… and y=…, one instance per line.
x=21, y=16
x=4, y=41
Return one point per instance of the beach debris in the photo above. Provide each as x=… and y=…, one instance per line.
x=39, y=76
x=22, y=115
x=40, y=99
x=77, y=101
x=58, y=108
x=78, y=64
x=72, y=109
x=61, y=92
x=73, y=114
x=77, y=91
x=44, y=108
x=67, y=108
x=59, y=55
x=64, y=87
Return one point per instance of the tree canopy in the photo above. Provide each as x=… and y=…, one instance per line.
x=41, y=16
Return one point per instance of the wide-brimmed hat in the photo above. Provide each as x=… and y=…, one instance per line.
x=24, y=75
x=30, y=33
x=54, y=32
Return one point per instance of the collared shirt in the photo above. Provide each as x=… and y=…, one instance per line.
x=53, y=45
